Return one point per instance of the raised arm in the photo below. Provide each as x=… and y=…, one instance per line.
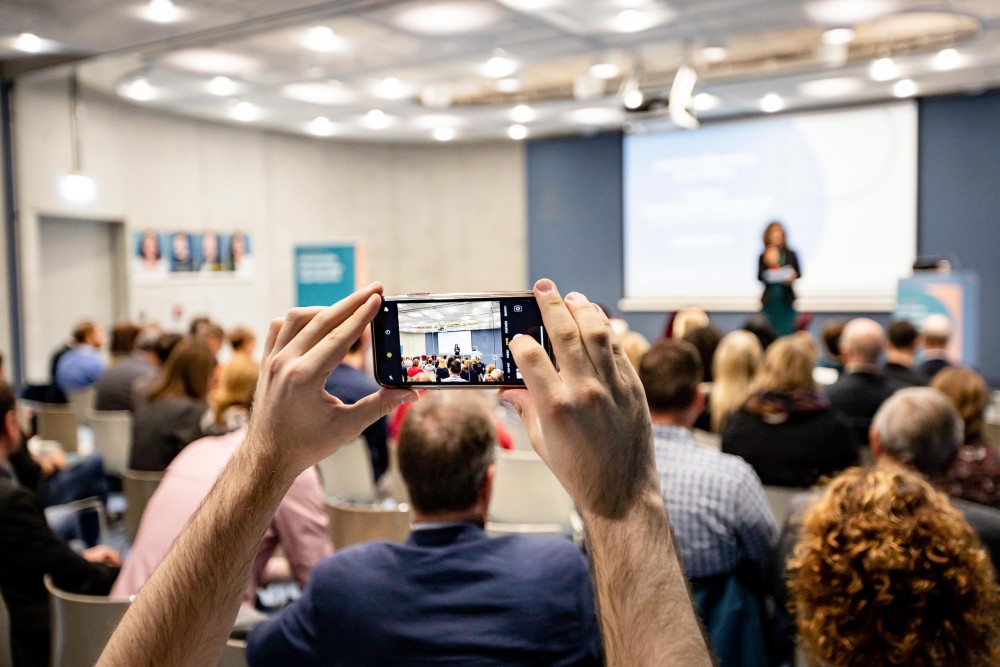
x=589, y=422
x=185, y=611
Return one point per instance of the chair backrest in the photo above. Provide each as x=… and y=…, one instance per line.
x=138, y=486
x=526, y=492
x=780, y=500
x=351, y=524
x=347, y=474
x=112, y=432
x=82, y=403
x=81, y=625
x=58, y=422
x=6, y=659
x=234, y=654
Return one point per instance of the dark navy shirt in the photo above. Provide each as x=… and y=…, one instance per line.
x=351, y=385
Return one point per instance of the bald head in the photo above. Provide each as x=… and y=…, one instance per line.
x=918, y=426
x=862, y=342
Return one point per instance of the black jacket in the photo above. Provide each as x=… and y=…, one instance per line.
x=774, y=290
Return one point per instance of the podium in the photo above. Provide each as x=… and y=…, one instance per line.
x=955, y=295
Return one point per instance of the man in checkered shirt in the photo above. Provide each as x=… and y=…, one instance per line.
x=717, y=507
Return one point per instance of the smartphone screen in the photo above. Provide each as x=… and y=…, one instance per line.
x=453, y=341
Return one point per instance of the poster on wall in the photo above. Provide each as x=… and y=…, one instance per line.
x=954, y=295
x=324, y=274
x=162, y=255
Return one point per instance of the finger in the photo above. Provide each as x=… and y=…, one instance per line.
x=328, y=352
x=272, y=336
x=625, y=367
x=373, y=407
x=522, y=401
x=330, y=318
x=562, y=330
x=294, y=322
x=539, y=374
x=597, y=336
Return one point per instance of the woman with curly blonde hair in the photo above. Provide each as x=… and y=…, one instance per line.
x=887, y=572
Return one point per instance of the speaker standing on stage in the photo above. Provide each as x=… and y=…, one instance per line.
x=778, y=268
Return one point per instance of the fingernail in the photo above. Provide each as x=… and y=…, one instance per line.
x=372, y=284
x=576, y=296
x=545, y=285
x=410, y=398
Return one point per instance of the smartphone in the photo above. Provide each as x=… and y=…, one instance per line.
x=453, y=341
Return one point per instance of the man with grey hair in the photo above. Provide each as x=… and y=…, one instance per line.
x=450, y=593
x=861, y=388
x=935, y=330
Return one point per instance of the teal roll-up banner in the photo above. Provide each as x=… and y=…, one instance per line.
x=325, y=274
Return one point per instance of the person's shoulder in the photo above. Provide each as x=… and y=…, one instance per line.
x=981, y=517
x=348, y=567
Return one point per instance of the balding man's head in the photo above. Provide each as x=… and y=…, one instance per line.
x=920, y=427
x=862, y=341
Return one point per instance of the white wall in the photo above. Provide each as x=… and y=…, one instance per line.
x=422, y=212
x=5, y=334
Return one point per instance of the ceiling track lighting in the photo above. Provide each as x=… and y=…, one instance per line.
x=76, y=186
x=681, y=95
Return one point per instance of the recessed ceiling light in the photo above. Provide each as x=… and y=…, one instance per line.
x=594, y=116
x=321, y=126
x=771, y=102
x=163, y=11
x=28, y=42
x=448, y=18
x=946, y=59
x=139, y=89
x=714, y=54
x=323, y=39
x=838, y=36
x=632, y=99
x=377, y=120
x=324, y=93
x=245, y=112
x=517, y=132
x=630, y=20
x=210, y=61
x=391, y=88
x=883, y=69
x=704, y=101
x=840, y=86
x=848, y=12
x=499, y=66
x=222, y=86
x=904, y=88
x=508, y=85
x=605, y=70
x=522, y=113
x=443, y=133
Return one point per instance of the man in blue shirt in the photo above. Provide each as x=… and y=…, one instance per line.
x=82, y=365
x=449, y=594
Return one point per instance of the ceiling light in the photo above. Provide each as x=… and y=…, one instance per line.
x=904, y=88
x=771, y=102
x=212, y=62
x=704, y=101
x=838, y=36
x=499, y=65
x=632, y=99
x=245, y=112
x=508, y=85
x=222, y=86
x=448, y=18
x=78, y=188
x=517, y=132
x=323, y=93
x=883, y=69
x=680, y=98
x=377, y=120
x=320, y=126
x=522, y=113
x=323, y=39
x=391, y=88
x=834, y=87
x=594, y=116
x=630, y=20
x=443, y=133
x=28, y=42
x=163, y=11
x=605, y=70
x=946, y=59
x=848, y=12
x=714, y=54
x=139, y=89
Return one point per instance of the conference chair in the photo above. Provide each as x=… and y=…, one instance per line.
x=352, y=524
x=55, y=514
x=82, y=403
x=347, y=474
x=391, y=484
x=58, y=422
x=234, y=654
x=112, y=433
x=138, y=487
x=527, y=498
x=81, y=625
x=6, y=659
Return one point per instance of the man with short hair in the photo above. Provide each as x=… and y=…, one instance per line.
x=454, y=372
x=450, y=594
x=115, y=389
x=861, y=388
x=901, y=355
x=82, y=365
x=936, y=331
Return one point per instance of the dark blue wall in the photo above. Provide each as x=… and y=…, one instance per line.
x=575, y=212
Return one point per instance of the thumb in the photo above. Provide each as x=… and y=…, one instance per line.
x=373, y=407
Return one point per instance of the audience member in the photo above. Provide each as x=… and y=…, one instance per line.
x=935, y=330
x=168, y=418
x=299, y=525
x=887, y=572
x=901, y=355
x=706, y=340
x=81, y=365
x=449, y=591
x=350, y=383
x=685, y=320
x=785, y=429
x=833, y=328
x=454, y=372
x=634, y=345
x=214, y=337
x=243, y=341
x=761, y=327
x=737, y=360
x=861, y=388
x=29, y=550
x=134, y=361
x=165, y=344
x=974, y=472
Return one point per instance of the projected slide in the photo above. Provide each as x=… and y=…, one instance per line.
x=843, y=183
